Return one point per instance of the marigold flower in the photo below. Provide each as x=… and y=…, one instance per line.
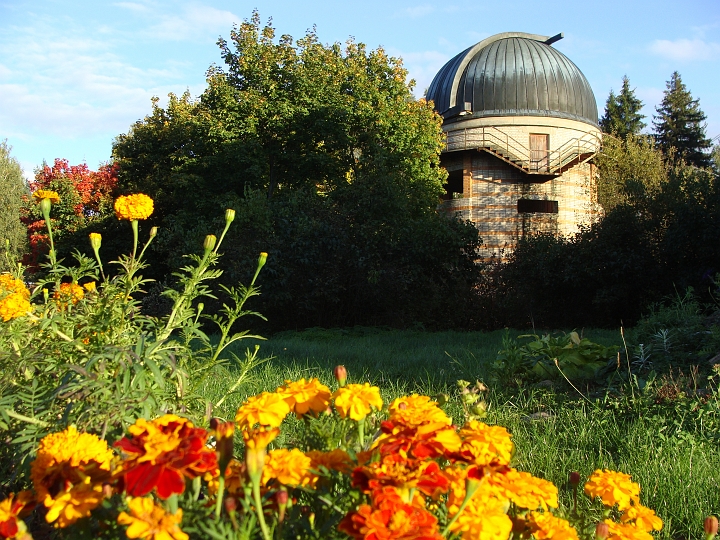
x=643, y=517
x=483, y=518
x=334, y=460
x=42, y=194
x=525, y=490
x=224, y=435
x=483, y=444
x=403, y=474
x=267, y=409
x=303, y=397
x=289, y=467
x=162, y=453
x=68, y=474
x=14, y=298
x=133, y=207
x=148, y=520
x=95, y=240
x=389, y=517
x=416, y=409
x=11, y=509
x=68, y=293
x=545, y=526
x=357, y=400
x=234, y=479
x=625, y=531
x=420, y=441
x=613, y=488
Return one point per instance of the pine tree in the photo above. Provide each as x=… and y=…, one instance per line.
x=13, y=236
x=680, y=124
x=622, y=113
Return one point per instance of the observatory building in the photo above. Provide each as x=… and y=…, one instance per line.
x=521, y=127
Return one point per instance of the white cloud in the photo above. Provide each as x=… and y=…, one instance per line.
x=194, y=21
x=685, y=49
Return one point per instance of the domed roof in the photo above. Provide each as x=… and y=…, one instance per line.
x=513, y=74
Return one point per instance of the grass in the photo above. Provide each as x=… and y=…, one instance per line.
x=676, y=462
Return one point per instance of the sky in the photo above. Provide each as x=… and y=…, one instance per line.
x=76, y=74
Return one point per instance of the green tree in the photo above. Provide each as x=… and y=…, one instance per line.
x=622, y=113
x=13, y=236
x=680, y=124
x=333, y=167
x=629, y=170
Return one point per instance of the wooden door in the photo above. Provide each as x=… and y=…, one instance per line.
x=539, y=147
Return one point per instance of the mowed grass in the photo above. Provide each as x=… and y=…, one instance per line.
x=679, y=476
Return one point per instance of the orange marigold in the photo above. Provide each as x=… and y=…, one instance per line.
x=68, y=293
x=133, y=207
x=14, y=298
x=545, y=526
x=68, y=474
x=483, y=518
x=357, y=400
x=483, y=444
x=388, y=517
x=416, y=409
x=420, y=441
x=613, y=488
x=11, y=509
x=626, y=531
x=41, y=194
x=524, y=489
x=643, y=517
x=303, y=397
x=267, y=409
x=334, y=460
x=162, y=453
x=289, y=467
x=148, y=520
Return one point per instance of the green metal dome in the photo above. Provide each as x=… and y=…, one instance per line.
x=513, y=74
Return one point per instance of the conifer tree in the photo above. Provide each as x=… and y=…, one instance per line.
x=680, y=124
x=13, y=237
x=622, y=113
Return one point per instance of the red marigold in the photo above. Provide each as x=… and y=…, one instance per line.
x=162, y=453
x=11, y=509
x=390, y=518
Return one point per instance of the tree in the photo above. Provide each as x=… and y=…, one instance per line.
x=85, y=198
x=12, y=188
x=680, y=124
x=622, y=113
x=333, y=167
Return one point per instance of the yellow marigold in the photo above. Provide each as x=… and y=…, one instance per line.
x=543, y=525
x=626, y=531
x=148, y=520
x=68, y=293
x=613, y=488
x=267, y=409
x=133, y=207
x=259, y=438
x=416, y=409
x=234, y=479
x=335, y=460
x=357, y=400
x=304, y=397
x=68, y=474
x=484, y=518
x=41, y=194
x=483, y=444
x=643, y=517
x=525, y=490
x=14, y=298
x=289, y=467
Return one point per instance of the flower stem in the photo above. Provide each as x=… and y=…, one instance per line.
x=220, y=494
x=361, y=433
x=258, y=508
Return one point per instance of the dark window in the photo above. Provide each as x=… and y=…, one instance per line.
x=531, y=206
x=455, y=182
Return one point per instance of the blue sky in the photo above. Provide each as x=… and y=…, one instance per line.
x=75, y=74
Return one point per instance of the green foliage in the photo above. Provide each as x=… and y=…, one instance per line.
x=13, y=238
x=630, y=169
x=95, y=360
x=622, y=113
x=680, y=124
x=553, y=357
x=333, y=168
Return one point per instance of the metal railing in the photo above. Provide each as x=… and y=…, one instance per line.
x=574, y=151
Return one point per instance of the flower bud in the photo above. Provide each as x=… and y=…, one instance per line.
x=602, y=531
x=442, y=399
x=45, y=206
x=230, y=504
x=209, y=243
x=224, y=432
x=281, y=497
x=153, y=232
x=340, y=374
x=95, y=240
x=574, y=478
x=711, y=527
x=229, y=215
x=262, y=260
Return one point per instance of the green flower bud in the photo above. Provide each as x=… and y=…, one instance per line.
x=229, y=215
x=45, y=205
x=95, y=240
x=209, y=242
x=153, y=232
x=262, y=260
